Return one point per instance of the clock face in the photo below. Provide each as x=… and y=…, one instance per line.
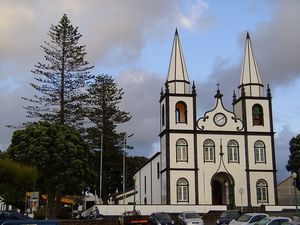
x=220, y=119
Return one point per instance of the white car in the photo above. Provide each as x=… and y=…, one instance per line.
x=190, y=218
x=273, y=221
x=248, y=219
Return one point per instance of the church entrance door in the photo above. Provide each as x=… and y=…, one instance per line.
x=222, y=187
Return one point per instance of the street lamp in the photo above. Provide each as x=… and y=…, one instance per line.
x=124, y=171
x=295, y=176
x=101, y=168
x=134, y=179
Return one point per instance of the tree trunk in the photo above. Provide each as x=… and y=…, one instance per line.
x=51, y=205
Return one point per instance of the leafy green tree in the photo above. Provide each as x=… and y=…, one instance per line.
x=61, y=78
x=294, y=158
x=15, y=180
x=103, y=112
x=61, y=156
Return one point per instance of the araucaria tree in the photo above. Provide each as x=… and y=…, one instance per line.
x=61, y=156
x=61, y=78
x=102, y=110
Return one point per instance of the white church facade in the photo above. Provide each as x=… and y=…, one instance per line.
x=222, y=158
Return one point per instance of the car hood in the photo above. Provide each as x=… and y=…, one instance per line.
x=234, y=222
x=165, y=222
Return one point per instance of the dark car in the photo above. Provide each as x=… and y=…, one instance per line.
x=227, y=216
x=160, y=218
x=10, y=215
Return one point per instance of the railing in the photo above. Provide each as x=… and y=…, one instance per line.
x=37, y=222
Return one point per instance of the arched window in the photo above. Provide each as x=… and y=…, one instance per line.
x=181, y=112
x=260, y=152
x=262, y=191
x=181, y=150
x=182, y=190
x=257, y=115
x=209, y=150
x=163, y=115
x=233, y=151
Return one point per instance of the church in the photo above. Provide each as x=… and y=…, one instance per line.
x=225, y=157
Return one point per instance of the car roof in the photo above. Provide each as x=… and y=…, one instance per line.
x=255, y=214
x=279, y=217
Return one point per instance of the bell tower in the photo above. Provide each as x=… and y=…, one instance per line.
x=254, y=109
x=177, y=131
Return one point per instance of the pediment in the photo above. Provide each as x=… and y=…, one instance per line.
x=219, y=119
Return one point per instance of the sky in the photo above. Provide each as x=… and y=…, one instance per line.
x=131, y=40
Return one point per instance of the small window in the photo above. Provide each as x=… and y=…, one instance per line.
x=233, y=151
x=157, y=170
x=260, y=152
x=181, y=150
x=163, y=115
x=181, y=112
x=145, y=183
x=209, y=151
x=182, y=190
x=257, y=115
x=262, y=191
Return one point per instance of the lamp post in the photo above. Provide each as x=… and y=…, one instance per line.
x=295, y=176
x=134, y=179
x=101, y=169
x=124, y=171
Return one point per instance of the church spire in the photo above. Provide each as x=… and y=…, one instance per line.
x=177, y=79
x=250, y=78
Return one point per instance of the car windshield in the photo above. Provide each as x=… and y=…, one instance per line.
x=163, y=216
x=263, y=221
x=192, y=215
x=229, y=213
x=243, y=218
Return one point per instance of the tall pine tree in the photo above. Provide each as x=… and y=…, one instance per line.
x=102, y=110
x=61, y=78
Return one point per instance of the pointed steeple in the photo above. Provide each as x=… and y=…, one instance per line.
x=250, y=78
x=177, y=79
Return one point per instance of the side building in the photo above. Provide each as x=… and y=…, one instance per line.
x=222, y=158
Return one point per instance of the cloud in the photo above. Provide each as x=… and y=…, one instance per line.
x=141, y=99
x=277, y=44
x=282, y=152
x=115, y=33
x=194, y=18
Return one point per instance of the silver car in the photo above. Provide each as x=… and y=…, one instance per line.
x=190, y=218
x=248, y=219
x=273, y=221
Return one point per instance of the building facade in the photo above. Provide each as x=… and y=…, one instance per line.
x=222, y=158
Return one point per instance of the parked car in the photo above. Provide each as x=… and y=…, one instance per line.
x=292, y=223
x=160, y=218
x=10, y=215
x=190, y=217
x=227, y=216
x=248, y=219
x=133, y=217
x=273, y=221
